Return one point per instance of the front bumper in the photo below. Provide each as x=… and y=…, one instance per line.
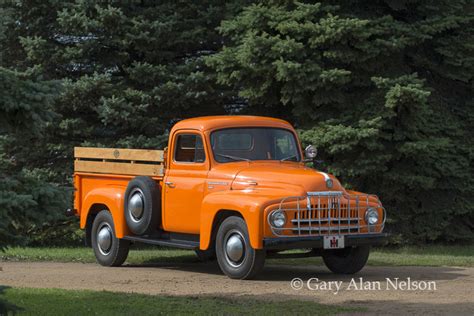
x=284, y=243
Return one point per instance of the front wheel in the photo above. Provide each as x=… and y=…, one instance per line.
x=236, y=257
x=108, y=249
x=346, y=261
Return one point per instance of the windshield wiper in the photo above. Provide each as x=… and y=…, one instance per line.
x=233, y=157
x=288, y=158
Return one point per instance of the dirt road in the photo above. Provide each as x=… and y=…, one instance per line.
x=454, y=292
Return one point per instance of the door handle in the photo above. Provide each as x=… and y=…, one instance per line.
x=170, y=184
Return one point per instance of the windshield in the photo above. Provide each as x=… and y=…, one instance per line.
x=257, y=143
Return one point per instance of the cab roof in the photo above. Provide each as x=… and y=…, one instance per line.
x=205, y=123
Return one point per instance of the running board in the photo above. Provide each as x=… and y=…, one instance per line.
x=183, y=244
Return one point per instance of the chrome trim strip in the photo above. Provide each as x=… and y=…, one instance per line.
x=325, y=175
x=329, y=228
x=217, y=183
x=324, y=220
x=325, y=193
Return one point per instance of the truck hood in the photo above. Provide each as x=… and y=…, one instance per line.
x=295, y=178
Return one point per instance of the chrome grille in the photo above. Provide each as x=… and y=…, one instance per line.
x=328, y=212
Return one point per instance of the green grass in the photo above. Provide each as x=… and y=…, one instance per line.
x=405, y=256
x=29, y=301
x=462, y=256
x=136, y=256
x=432, y=255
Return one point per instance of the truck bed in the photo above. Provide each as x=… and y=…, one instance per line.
x=119, y=161
x=111, y=169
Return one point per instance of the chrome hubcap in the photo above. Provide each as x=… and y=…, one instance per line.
x=234, y=247
x=104, y=239
x=135, y=206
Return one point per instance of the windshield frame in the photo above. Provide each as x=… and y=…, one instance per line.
x=299, y=158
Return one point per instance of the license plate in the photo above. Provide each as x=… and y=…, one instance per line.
x=333, y=242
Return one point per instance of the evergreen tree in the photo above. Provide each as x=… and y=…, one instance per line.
x=27, y=200
x=130, y=70
x=383, y=88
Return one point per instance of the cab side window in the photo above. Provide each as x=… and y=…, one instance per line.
x=189, y=148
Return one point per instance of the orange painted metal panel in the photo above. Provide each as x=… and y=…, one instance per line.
x=203, y=190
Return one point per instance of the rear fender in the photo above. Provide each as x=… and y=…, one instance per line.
x=112, y=197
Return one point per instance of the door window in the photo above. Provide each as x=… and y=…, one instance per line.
x=189, y=148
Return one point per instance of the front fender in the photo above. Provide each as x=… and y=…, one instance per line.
x=249, y=203
x=112, y=197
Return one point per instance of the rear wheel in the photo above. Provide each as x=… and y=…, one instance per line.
x=108, y=249
x=346, y=261
x=236, y=257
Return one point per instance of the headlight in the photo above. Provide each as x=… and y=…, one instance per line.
x=278, y=219
x=311, y=152
x=371, y=216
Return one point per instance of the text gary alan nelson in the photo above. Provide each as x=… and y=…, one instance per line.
x=358, y=284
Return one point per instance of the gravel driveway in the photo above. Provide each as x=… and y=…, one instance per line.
x=453, y=292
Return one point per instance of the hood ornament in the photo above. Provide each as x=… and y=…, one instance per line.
x=327, y=179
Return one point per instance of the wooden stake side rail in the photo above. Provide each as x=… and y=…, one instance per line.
x=139, y=162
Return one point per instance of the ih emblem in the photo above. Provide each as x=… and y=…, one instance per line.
x=333, y=242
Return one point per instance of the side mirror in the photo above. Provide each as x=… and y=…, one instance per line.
x=311, y=152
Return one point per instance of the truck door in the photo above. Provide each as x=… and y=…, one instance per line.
x=185, y=181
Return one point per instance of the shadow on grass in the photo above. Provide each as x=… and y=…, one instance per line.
x=439, y=250
x=7, y=308
x=399, y=307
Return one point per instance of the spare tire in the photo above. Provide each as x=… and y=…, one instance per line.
x=142, y=205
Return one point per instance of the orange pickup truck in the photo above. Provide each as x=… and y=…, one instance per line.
x=235, y=188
